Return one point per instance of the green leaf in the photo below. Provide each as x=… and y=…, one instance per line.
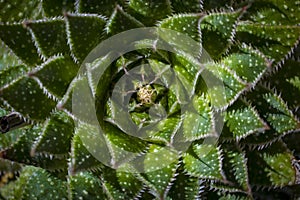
x=50, y=36
x=36, y=183
x=274, y=12
x=85, y=185
x=27, y=97
x=11, y=73
x=225, y=93
x=19, y=40
x=56, y=136
x=56, y=74
x=149, y=11
x=217, y=31
x=285, y=120
x=282, y=123
x=239, y=163
x=129, y=183
x=66, y=103
x=85, y=32
x=203, y=161
x=86, y=148
x=249, y=65
x=198, y=121
x=54, y=8
x=7, y=57
x=273, y=166
x=124, y=147
x=121, y=21
x=185, y=187
x=160, y=165
x=244, y=122
x=103, y=7
x=19, y=151
x=281, y=39
x=281, y=171
x=165, y=129
x=183, y=23
x=16, y=10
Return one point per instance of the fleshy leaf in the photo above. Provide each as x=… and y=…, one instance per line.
x=85, y=185
x=285, y=120
x=198, y=121
x=217, y=31
x=129, y=183
x=149, y=11
x=7, y=57
x=281, y=172
x=54, y=8
x=56, y=74
x=19, y=39
x=239, y=163
x=165, y=129
x=121, y=21
x=249, y=65
x=85, y=32
x=56, y=136
x=50, y=36
x=17, y=10
x=84, y=143
x=124, y=147
x=36, y=183
x=19, y=151
x=184, y=23
x=244, y=122
x=273, y=165
x=203, y=161
x=185, y=187
x=224, y=94
x=160, y=165
x=281, y=39
x=11, y=73
x=274, y=12
x=26, y=97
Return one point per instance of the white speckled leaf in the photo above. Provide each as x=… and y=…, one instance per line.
x=149, y=11
x=198, y=120
x=244, y=122
x=121, y=21
x=56, y=136
x=204, y=161
x=50, y=36
x=19, y=40
x=26, y=97
x=218, y=30
x=56, y=74
x=85, y=32
x=85, y=185
x=160, y=165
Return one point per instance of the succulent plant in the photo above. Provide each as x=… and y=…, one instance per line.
x=237, y=142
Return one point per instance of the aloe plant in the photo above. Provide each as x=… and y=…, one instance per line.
x=242, y=147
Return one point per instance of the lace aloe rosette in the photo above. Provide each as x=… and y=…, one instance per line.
x=143, y=97
x=252, y=88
